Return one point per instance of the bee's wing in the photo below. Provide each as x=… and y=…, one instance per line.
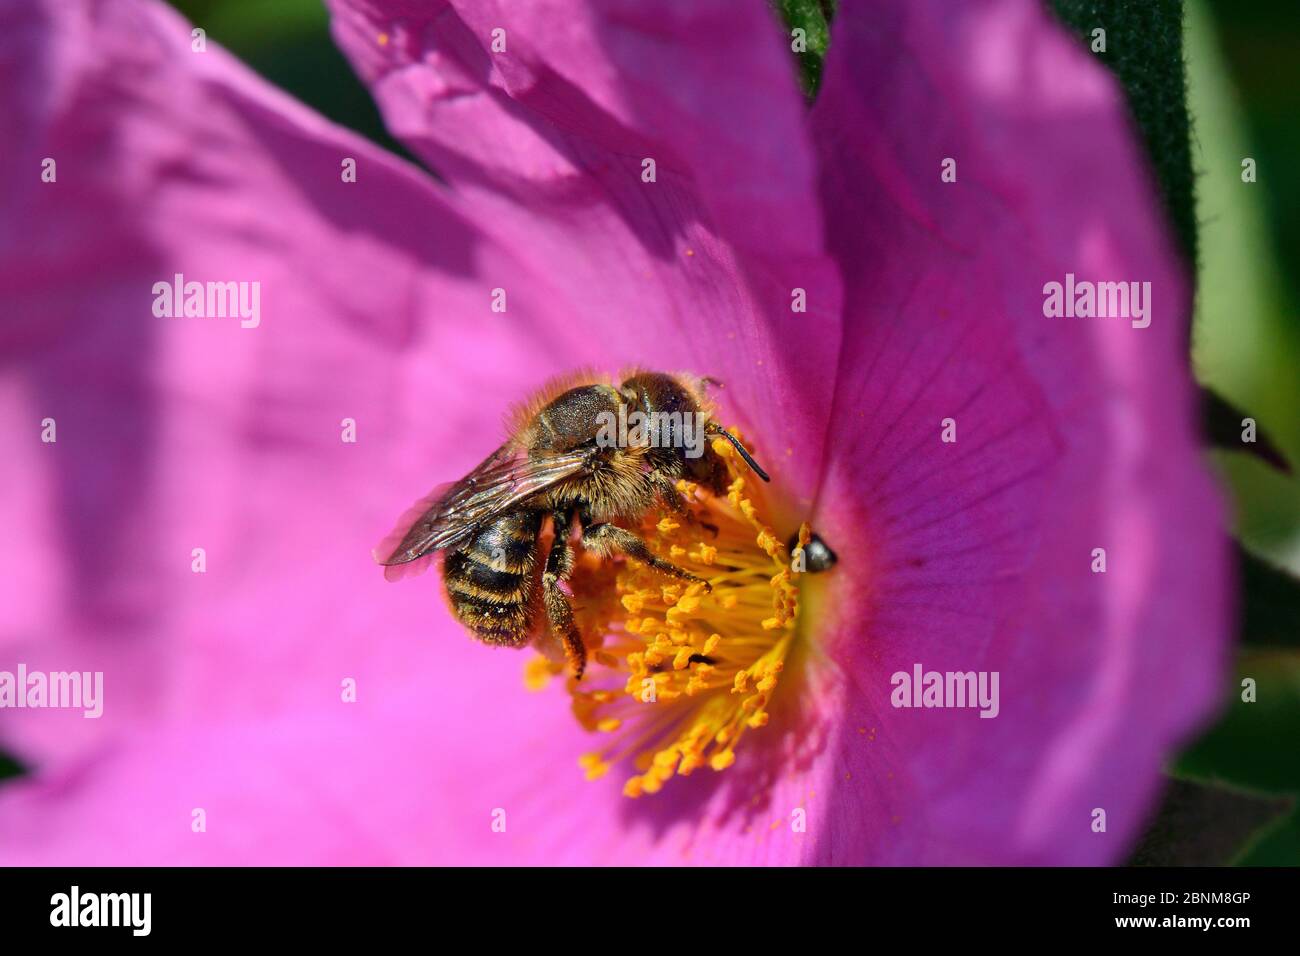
x=391, y=546
x=447, y=516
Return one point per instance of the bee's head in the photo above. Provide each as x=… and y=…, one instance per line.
x=679, y=414
x=667, y=395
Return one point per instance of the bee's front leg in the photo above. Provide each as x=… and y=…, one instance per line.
x=678, y=503
x=607, y=540
x=559, y=613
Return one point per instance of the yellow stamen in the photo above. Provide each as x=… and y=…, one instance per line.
x=538, y=673
x=683, y=672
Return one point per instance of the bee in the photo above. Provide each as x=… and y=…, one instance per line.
x=559, y=465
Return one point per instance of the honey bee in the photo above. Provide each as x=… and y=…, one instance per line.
x=560, y=465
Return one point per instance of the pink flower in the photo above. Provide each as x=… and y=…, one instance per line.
x=924, y=304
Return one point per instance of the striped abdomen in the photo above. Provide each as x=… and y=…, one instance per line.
x=490, y=579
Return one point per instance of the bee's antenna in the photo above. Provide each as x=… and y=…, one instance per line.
x=716, y=429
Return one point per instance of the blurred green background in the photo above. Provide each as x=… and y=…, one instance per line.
x=1243, y=96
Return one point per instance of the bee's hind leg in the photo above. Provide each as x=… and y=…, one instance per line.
x=559, y=613
x=608, y=540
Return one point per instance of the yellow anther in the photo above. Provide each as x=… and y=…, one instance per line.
x=593, y=766
x=679, y=672
x=723, y=760
x=539, y=671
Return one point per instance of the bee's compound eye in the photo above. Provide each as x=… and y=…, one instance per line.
x=817, y=553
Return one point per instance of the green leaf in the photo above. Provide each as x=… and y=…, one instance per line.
x=1224, y=427
x=1277, y=845
x=1254, y=745
x=813, y=17
x=1270, y=605
x=1246, y=342
x=1202, y=825
x=1144, y=48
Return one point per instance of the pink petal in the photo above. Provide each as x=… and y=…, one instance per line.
x=547, y=140
x=236, y=673
x=222, y=689
x=1072, y=434
x=183, y=433
x=414, y=772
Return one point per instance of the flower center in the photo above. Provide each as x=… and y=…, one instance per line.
x=681, y=671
